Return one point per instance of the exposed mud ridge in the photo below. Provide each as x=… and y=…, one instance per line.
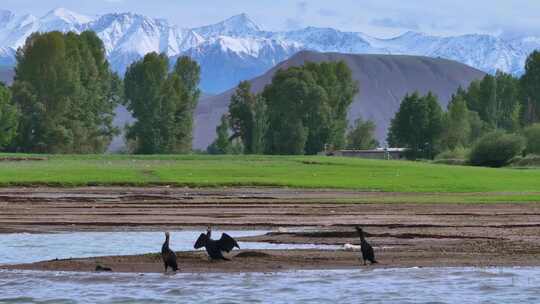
x=403, y=234
x=352, y=234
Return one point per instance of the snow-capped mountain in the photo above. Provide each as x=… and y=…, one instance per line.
x=61, y=19
x=236, y=26
x=128, y=37
x=226, y=60
x=326, y=40
x=237, y=48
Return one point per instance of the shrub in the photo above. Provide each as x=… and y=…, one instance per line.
x=496, y=149
x=531, y=160
x=457, y=153
x=532, y=134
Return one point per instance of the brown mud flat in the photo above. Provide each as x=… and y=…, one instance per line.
x=282, y=260
x=404, y=234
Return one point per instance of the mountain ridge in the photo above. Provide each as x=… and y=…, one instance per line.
x=240, y=44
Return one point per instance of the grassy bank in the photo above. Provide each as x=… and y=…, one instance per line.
x=302, y=172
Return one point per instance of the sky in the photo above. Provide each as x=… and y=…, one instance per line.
x=381, y=18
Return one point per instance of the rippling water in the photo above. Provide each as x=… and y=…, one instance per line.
x=426, y=285
x=363, y=285
x=40, y=247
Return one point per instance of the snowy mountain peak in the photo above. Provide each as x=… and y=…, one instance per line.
x=238, y=25
x=412, y=34
x=65, y=15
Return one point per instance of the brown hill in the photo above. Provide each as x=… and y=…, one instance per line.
x=384, y=80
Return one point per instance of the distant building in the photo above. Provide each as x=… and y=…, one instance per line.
x=379, y=153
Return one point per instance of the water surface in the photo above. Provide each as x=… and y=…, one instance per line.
x=426, y=285
x=42, y=247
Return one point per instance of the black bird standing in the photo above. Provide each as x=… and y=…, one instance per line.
x=367, y=250
x=168, y=256
x=215, y=248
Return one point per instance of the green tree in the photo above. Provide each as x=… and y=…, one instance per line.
x=308, y=102
x=66, y=93
x=478, y=127
x=188, y=72
x=508, y=106
x=162, y=102
x=339, y=87
x=435, y=125
x=286, y=99
x=361, y=135
x=417, y=125
x=260, y=125
x=143, y=88
x=496, y=100
x=530, y=89
x=457, y=127
x=532, y=134
x=222, y=144
x=242, y=116
x=488, y=100
x=9, y=116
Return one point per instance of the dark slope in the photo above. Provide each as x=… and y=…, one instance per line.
x=384, y=80
x=6, y=74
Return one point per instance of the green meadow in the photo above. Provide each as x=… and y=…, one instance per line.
x=273, y=171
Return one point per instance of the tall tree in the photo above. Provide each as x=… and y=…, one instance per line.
x=435, y=125
x=457, y=127
x=242, y=118
x=311, y=102
x=496, y=100
x=361, y=135
x=65, y=90
x=508, y=102
x=336, y=80
x=488, y=100
x=286, y=99
x=188, y=72
x=222, y=144
x=417, y=125
x=143, y=88
x=260, y=125
x=163, y=103
x=9, y=116
x=530, y=87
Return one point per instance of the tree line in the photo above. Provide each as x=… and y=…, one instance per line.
x=64, y=95
x=302, y=111
x=499, y=113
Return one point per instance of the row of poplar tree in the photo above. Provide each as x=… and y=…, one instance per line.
x=302, y=111
x=499, y=102
x=64, y=96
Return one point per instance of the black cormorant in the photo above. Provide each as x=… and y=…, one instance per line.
x=215, y=248
x=168, y=256
x=367, y=250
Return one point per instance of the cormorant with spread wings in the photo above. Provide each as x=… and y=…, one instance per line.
x=215, y=248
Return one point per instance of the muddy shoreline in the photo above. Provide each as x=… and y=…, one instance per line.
x=404, y=235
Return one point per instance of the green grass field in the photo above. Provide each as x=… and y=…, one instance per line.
x=289, y=171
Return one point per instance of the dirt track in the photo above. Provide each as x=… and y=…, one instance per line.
x=403, y=234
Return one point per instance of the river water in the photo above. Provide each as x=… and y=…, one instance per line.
x=362, y=285
x=427, y=285
x=26, y=248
